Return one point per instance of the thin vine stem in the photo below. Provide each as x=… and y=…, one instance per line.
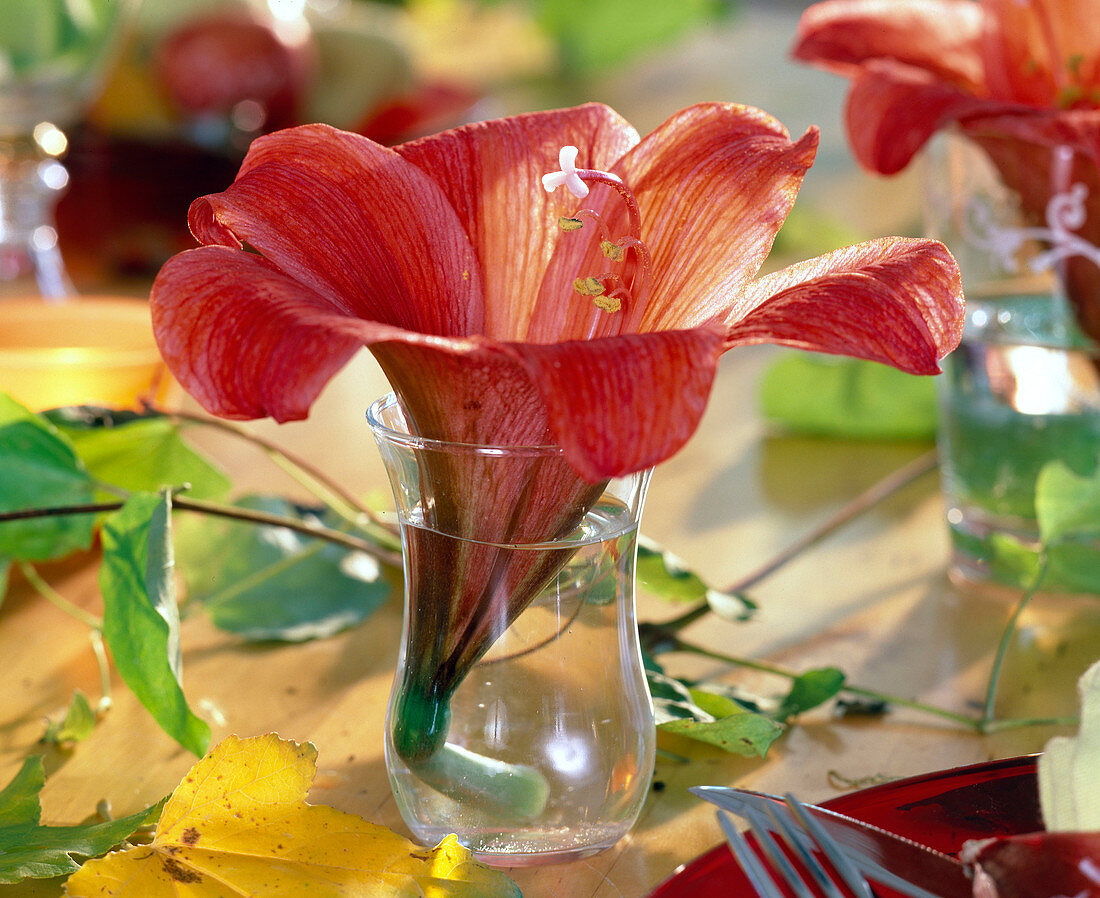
x=988, y=711
x=54, y=597
x=981, y=724
x=100, y=652
x=872, y=496
x=308, y=475
x=232, y=512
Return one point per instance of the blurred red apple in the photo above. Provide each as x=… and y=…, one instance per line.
x=213, y=63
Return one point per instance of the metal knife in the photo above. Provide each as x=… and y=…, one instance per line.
x=885, y=857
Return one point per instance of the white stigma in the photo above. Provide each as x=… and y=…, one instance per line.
x=568, y=176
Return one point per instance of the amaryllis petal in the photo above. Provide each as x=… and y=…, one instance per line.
x=342, y=215
x=737, y=162
x=1076, y=129
x=1043, y=52
x=499, y=403
x=741, y=165
x=892, y=110
x=869, y=301
x=939, y=36
x=621, y=404
x=234, y=330
x=490, y=173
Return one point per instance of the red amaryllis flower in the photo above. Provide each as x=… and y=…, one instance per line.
x=496, y=323
x=1021, y=78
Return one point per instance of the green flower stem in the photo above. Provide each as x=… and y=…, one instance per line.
x=1006, y=636
x=517, y=790
x=52, y=595
x=331, y=493
x=878, y=492
x=981, y=724
x=226, y=511
x=100, y=651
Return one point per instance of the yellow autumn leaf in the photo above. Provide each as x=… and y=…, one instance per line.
x=239, y=825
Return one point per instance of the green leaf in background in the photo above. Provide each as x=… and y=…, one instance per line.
x=664, y=575
x=832, y=396
x=75, y=726
x=711, y=717
x=263, y=582
x=5, y=571
x=1067, y=507
x=598, y=36
x=138, y=453
x=141, y=620
x=730, y=726
x=809, y=690
x=31, y=851
x=40, y=469
x=19, y=798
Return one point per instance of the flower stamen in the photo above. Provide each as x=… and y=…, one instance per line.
x=633, y=280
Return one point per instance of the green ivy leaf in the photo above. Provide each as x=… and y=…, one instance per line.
x=597, y=36
x=39, y=468
x=712, y=717
x=263, y=582
x=141, y=620
x=666, y=576
x=31, y=851
x=19, y=799
x=1067, y=507
x=810, y=689
x=833, y=396
x=740, y=732
x=75, y=726
x=138, y=453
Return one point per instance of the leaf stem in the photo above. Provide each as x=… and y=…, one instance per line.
x=309, y=476
x=878, y=492
x=1006, y=637
x=48, y=592
x=105, y=700
x=347, y=540
x=982, y=725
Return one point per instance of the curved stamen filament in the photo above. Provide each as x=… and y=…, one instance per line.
x=612, y=290
x=593, y=215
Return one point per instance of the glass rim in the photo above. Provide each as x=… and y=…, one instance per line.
x=404, y=438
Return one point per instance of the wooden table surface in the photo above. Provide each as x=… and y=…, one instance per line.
x=872, y=599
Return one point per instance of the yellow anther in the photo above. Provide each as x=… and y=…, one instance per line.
x=608, y=303
x=588, y=286
x=613, y=251
x=570, y=224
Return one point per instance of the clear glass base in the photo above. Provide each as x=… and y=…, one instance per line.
x=550, y=744
x=520, y=719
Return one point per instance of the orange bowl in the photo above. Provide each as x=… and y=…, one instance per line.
x=90, y=350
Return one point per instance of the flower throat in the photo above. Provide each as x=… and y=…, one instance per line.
x=626, y=280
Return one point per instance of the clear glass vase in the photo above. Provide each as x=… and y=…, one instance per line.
x=1022, y=391
x=520, y=717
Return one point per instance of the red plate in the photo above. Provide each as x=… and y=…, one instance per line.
x=941, y=810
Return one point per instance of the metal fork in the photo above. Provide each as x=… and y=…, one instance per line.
x=808, y=871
